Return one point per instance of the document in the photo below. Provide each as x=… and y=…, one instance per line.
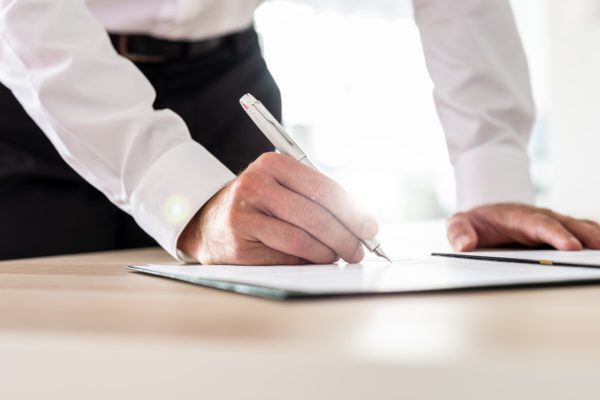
x=378, y=277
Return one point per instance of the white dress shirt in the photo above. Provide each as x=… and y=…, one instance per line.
x=96, y=107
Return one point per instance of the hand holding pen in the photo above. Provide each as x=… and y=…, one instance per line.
x=279, y=211
x=284, y=143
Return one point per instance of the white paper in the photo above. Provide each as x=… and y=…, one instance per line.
x=432, y=273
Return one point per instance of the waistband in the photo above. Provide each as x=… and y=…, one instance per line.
x=148, y=49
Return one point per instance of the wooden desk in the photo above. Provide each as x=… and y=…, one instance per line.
x=83, y=327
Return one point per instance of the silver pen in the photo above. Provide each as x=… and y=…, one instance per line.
x=284, y=143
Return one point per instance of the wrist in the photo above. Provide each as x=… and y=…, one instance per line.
x=189, y=243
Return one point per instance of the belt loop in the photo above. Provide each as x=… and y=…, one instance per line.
x=122, y=43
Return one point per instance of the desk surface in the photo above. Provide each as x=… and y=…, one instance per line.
x=84, y=325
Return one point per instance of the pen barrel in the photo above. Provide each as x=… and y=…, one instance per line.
x=371, y=244
x=304, y=160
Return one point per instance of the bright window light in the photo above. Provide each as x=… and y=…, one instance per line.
x=357, y=97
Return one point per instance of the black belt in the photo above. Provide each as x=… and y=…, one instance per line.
x=147, y=49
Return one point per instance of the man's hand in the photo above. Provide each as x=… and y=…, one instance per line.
x=502, y=224
x=278, y=211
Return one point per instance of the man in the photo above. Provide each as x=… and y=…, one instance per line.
x=120, y=110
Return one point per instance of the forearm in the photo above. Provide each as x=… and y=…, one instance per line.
x=483, y=96
x=97, y=109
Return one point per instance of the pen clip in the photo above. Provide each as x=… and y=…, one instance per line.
x=276, y=125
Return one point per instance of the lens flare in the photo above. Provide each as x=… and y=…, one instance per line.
x=176, y=209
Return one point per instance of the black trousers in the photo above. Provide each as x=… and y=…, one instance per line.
x=47, y=209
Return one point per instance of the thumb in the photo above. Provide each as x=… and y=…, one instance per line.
x=461, y=233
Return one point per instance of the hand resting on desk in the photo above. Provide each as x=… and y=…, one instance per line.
x=501, y=224
x=278, y=211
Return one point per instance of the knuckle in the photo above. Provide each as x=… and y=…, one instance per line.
x=546, y=211
x=266, y=160
x=322, y=189
x=241, y=184
x=451, y=224
x=248, y=185
x=349, y=244
x=594, y=224
x=456, y=224
x=298, y=241
x=314, y=218
x=544, y=219
x=577, y=224
x=457, y=219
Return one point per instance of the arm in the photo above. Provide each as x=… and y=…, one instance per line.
x=96, y=108
x=483, y=96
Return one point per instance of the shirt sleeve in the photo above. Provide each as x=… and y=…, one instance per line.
x=96, y=108
x=483, y=96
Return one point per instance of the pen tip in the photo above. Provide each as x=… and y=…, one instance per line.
x=381, y=253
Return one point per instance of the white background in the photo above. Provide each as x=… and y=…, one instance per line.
x=357, y=95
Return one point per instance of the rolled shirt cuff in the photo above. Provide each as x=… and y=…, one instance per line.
x=493, y=174
x=173, y=189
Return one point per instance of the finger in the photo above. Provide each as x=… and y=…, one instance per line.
x=593, y=223
x=545, y=229
x=297, y=210
x=461, y=233
x=288, y=239
x=268, y=256
x=586, y=232
x=326, y=192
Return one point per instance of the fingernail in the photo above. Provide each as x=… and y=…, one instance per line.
x=358, y=254
x=462, y=242
x=369, y=230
